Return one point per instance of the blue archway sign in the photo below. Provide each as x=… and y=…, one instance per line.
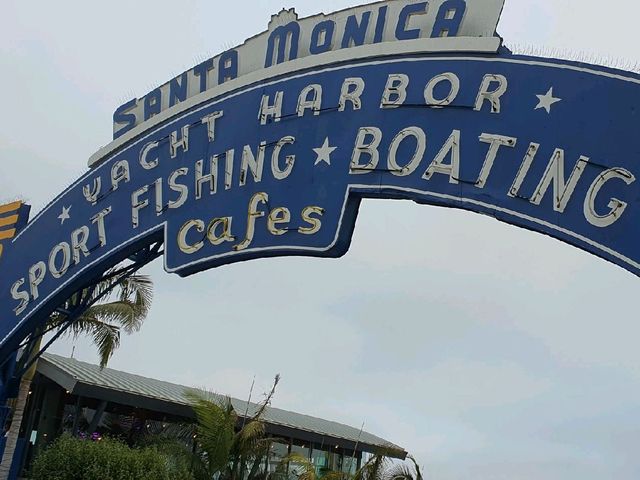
x=276, y=163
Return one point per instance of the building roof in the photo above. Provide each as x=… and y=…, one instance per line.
x=89, y=380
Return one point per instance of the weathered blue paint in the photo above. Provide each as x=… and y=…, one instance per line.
x=283, y=37
x=356, y=30
x=402, y=33
x=550, y=108
x=178, y=90
x=228, y=66
x=201, y=71
x=449, y=19
x=327, y=29
x=123, y=115
x=152, y=104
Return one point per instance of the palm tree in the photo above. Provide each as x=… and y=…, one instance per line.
x=226, y=453
x=215, y=447
x=404, y=471
x=231, y=454
x=117, y=303
x=378, y=467
x=381, y=467
x=123, y=310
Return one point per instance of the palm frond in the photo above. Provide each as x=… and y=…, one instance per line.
x=105, y=336
x=216, y=424
x=104, y=320
x=138, y=289
x=374, y=468
x=181, y=432
x=179, y=452
x=248, y=439
x=126, y=314
x=306, y=469
x=333, y=475
x=418, y=472
x=399, y=472
x=107, y=339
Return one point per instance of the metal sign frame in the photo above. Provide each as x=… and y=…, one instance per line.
x=275, y=161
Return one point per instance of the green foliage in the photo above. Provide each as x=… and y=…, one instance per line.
x=378, y=467
x=306, y=470
x=382, y=467
x=216, y=447
x=227, y=446
x=223, y=451
x=215, y=430
x=124, y=308
x=69, y=458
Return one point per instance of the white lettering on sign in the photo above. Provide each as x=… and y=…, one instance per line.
x=278, y=221
x=62, y=258
x=289, y=38
x=545, y=178
x=617, y=207
x=366, y=157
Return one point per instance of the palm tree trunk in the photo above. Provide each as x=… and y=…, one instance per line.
x=14, y=430
x=18, y=414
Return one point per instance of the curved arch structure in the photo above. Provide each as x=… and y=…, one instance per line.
x=275, y=163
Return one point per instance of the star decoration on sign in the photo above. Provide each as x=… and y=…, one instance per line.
x=65, y=214
x=324, y=152
x=547, y=100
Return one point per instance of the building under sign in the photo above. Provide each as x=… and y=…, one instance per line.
x=68, y=395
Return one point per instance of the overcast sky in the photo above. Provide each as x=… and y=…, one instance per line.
x=488, y=351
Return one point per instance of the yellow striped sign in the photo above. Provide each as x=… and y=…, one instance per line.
x=9, y=216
